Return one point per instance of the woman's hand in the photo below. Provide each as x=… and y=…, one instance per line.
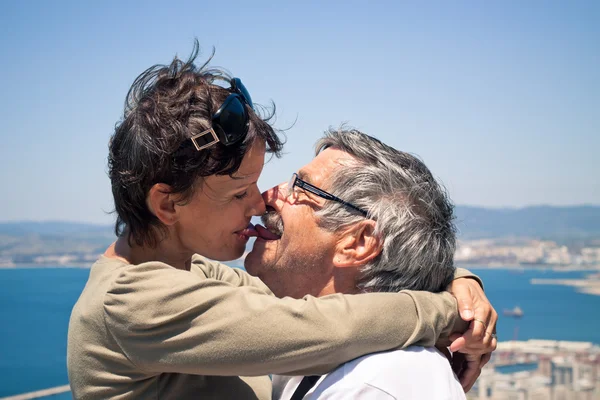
x=478, y=342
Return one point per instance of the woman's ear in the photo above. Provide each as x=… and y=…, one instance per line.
x=161, y=203
x=358, y=245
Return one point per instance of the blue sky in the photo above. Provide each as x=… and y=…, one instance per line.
x=500, y=99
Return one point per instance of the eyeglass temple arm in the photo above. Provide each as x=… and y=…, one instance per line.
x=327, y=196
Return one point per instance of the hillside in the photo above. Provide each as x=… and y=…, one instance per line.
x=52, y=242
x=545, y=222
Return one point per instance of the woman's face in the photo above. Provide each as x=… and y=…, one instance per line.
x=214, y=221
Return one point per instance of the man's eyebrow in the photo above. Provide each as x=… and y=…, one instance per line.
x=304, y=176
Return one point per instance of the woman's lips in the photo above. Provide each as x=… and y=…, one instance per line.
x=248, y=232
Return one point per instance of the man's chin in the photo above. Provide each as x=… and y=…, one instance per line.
x=256, y=260
x=263, y=254
x=252, y=263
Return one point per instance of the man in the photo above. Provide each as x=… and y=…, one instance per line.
x=362, y=217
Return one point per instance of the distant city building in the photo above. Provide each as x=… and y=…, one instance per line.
x=541, y=370
x=524, y=252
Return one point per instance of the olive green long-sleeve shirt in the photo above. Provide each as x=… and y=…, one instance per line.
x=150, y=331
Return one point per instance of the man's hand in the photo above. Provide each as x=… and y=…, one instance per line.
x=480, y=339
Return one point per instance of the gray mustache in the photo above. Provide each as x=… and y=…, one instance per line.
x=273, y=222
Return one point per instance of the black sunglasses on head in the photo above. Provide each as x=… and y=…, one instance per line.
x=230, y=122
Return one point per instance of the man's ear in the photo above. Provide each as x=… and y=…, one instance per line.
x=161, y=202
x=358, y=245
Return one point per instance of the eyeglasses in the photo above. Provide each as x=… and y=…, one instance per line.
x=230, y=122
x=295, y=181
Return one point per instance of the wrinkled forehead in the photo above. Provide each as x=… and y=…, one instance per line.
x=324, y=165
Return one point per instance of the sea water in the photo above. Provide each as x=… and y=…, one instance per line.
x=35, y=305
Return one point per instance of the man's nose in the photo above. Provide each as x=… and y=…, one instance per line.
x=276, y=196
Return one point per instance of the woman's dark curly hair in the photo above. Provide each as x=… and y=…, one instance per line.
x=165, y=106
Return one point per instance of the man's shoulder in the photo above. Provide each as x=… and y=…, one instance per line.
x=417, y=372
x=414, y=358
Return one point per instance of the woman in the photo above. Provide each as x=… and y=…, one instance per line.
x=157, y=321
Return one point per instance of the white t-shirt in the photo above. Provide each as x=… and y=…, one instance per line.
x=412, y=373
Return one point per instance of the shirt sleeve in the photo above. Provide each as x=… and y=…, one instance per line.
x=167, y=320
x=465, y=273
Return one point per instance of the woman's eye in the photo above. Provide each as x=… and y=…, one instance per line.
x=241, y=196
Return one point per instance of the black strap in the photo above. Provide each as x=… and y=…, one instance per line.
x=304, y=386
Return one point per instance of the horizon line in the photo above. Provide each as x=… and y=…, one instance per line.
x=491, y=208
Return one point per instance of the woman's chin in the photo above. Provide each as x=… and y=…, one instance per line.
x=229, y=255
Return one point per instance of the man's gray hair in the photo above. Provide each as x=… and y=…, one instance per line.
x=413, y=213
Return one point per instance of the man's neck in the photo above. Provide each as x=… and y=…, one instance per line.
x=343, y=281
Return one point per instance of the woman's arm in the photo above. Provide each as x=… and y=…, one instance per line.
x=167, y=320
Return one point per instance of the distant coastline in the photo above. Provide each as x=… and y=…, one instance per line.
x=38, y=266
x=533, y=267
x=240, y=261
x=561, y=239
x=588, y=285
x=87, y=264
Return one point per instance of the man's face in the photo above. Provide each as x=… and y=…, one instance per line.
x=298, y=260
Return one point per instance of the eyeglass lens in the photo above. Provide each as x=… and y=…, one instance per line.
x=290, y=185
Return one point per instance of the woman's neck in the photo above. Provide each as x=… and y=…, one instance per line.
x=165, y=252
